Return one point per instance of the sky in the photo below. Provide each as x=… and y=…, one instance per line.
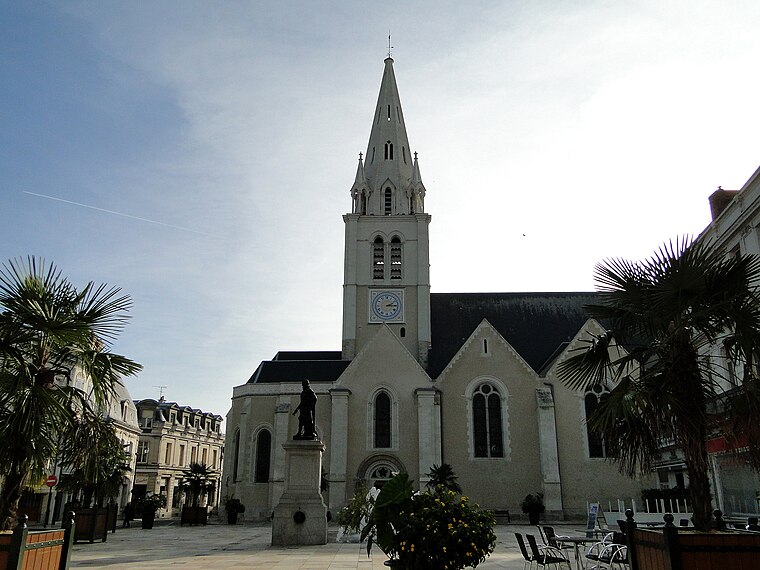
x=199, y=155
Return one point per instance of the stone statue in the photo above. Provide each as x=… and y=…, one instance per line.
x=306, y=417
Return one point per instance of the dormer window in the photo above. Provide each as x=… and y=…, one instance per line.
x=389, y=112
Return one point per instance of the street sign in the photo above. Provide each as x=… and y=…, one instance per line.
x=51, y=481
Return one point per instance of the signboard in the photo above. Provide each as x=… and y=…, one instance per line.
x=593, y=511
x=51, y=481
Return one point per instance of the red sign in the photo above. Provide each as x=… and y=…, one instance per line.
x=722, y=444
x=51, y=481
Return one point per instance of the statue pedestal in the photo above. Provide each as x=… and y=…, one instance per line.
x=300, y=518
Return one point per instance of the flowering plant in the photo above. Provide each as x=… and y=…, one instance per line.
x=431, y=530
x=355, y=513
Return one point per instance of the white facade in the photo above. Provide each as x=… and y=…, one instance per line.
x=735, y=229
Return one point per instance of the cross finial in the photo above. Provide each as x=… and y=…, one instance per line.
x=360, y=156
x=390, y=47
x=415, y=155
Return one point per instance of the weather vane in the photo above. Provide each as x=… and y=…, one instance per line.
x=390, y=47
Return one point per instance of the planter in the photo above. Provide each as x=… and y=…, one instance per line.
x=93, y=524
x=113, y=512
x=232, y=517
x=534, y=518
x=42, y=550
x=148, y=518
x=193, y=516
x=671, y=549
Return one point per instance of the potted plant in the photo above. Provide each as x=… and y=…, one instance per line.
x=148, y=505
x=355, y=514
x=233, y=507
x=198, y=480
x=533, y=506
x=428, y=530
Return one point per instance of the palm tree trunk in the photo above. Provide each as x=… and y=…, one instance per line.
x=9, y=498
x=691, y=426
x=701, y=501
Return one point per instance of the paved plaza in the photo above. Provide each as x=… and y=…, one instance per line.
x=221, y=546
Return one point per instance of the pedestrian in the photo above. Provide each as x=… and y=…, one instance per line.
x=129, y=513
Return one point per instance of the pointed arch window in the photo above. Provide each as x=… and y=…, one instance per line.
x=388, y=202
x=235, y=454
x=382, y=420
x=594, y=396
x=263, y=456
x=488, y=440
x=396, y=258
x=388, y=150
x=378, y=258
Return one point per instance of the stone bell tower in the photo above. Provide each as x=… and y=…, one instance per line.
x=387, y=261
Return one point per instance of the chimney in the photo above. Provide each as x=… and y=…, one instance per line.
x=720, y=199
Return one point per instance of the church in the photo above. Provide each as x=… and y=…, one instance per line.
x=423, y=378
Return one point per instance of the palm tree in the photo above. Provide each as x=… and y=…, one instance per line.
x=443, y=477
x=97, y=459
x=659, y=313
x=50, y=331
x=198, y=478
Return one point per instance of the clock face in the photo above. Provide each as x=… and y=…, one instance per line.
x=386, y=306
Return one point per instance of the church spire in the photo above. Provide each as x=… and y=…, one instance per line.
x=388, y=168
x=360, y=190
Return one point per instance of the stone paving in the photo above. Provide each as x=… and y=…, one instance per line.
x=221, y=546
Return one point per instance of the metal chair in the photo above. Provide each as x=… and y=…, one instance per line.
x=612, y=556
x=551, y=538
x=529, y=560
x=595, y=550
x=548, y=555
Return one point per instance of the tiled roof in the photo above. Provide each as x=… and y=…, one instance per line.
x=535, y=324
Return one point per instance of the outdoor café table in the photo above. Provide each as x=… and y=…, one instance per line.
x=577, y=542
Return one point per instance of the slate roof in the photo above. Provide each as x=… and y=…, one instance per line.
x=535, y=324
x=308, y=355
x=295, y=366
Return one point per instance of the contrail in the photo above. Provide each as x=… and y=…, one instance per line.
x=116, y=213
